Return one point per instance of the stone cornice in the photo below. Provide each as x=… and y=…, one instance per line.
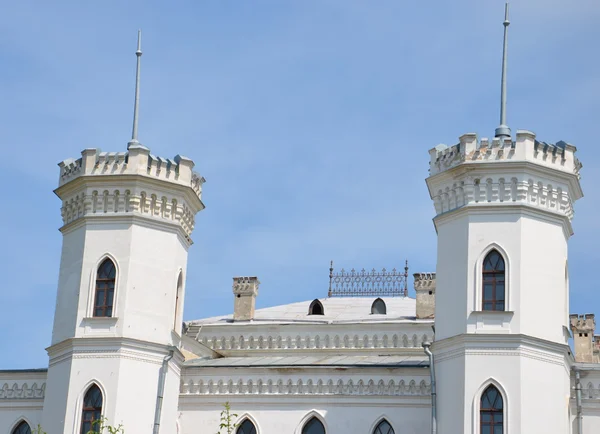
x=277, y=341
x=506, y=208
x=129, y=218
x=509, y=344
x=128, y=195
x=301, y=385
x=110, y=347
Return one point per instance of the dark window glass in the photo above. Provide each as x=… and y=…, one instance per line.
x=313, y=426
x=490, y=412
x=383, y=428
x=105, y=288
x=92, y=410
x=316, y=308
x=493, y=281
x=378, y=307
x=22, y=428
x=247, y=427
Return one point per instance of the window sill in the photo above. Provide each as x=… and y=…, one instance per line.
x=99, y=325
x=490, y=321
x=101, y=318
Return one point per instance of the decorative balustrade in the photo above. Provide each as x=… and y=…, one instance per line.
x=354, y=283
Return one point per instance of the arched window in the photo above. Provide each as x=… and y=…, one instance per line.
x=246, y=427
x=383, y=427
x=92, y=410
x=493, y=281
x=378, y=307
x=105, y=289
x=316, y=308
x=313, y=426
x=178, y=301
x=491, y=411
x=22, y=428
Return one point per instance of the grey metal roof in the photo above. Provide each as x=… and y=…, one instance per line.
x=23, y=371
x=336, y=310
x=313, y=361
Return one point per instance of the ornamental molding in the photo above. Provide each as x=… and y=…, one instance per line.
x=126, y=202
x=304, y=386
x=525, y=189
x=23, y=391
x=299, y=342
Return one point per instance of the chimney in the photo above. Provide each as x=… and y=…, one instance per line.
x=425, y=289
x=245, y=290
x=583, y=327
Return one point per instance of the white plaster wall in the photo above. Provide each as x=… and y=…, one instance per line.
x=66, y=311
x=148, y=264
x=452, y=277
x=534, y=383
x=11, y=414
x=21, y=398
x=129, y=384
x=288, y=416
x=535, y=249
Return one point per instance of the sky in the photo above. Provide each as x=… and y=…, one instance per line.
x=310, y=120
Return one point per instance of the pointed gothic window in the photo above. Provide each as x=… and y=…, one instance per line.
x=105, y=289
x=313, y=426
x=316, y=308
x=178, y=300
x=92, y=410
x=378, y=307
x=383, y=427
x=22, y=428
x=493, y=281
x=491, y=411
x=247, y=427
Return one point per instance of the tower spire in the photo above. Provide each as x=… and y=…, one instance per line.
x=503, y=130
x=138, y=53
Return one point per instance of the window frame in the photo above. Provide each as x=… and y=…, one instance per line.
x=381, y=302
x=18, y=424
x=244, y=419
x=84, y=409
x=307, y=418
x=179, y=284
x=477, y=405
x=94, y=289
x=316, y=303
x=495, y=278
x=379, y=422
x=477, y=298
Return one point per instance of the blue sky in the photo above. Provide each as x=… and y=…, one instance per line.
x=311, y=121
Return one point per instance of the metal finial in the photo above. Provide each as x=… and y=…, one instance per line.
x=503, y=130
x=330, y=278
x=138, y=53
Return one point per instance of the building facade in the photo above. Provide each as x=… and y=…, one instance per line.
x=471, y=353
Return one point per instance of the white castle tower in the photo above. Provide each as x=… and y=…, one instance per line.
x=503, y=220
x=128, y=217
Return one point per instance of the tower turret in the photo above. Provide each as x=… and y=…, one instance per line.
x=503, y=211
x=128, y=218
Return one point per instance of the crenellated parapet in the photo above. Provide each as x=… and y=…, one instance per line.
x=585, y=323
x=130, y=183
x=424, y=281
x=471, y=150
x=501, y=171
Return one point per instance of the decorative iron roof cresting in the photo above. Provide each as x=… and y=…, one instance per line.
x=354, y=283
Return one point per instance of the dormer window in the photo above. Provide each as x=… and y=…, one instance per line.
x=378, y=307
x=316, y=308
